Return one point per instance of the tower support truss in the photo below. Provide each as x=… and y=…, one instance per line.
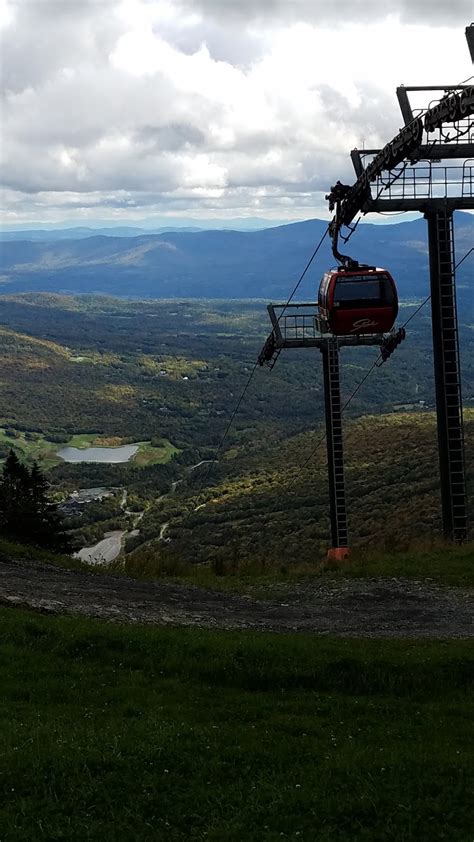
x=416, y=180
x=299, y=325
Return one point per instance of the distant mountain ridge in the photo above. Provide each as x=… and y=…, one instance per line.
x=82, y=233
x=221, y=263
x=61, y=230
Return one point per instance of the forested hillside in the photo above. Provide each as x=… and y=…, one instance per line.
x=269, y=506
x=140, y=369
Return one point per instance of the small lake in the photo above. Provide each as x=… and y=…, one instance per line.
x=98, y=454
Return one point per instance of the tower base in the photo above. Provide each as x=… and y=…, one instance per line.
x=338, y=553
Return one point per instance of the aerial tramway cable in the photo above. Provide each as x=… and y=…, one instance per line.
x=256, y=364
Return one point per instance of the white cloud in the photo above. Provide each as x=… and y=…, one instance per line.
x=191, y=105
x=342, y=12
x=6, y=14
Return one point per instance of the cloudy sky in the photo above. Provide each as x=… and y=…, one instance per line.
x=206, y=108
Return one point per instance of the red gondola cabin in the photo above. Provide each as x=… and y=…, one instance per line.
x=358, y=301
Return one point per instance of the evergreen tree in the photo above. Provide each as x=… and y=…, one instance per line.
x=26, y=513
x=13, y=485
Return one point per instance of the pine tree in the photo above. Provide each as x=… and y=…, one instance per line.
x=15, y=478
x=26, y=513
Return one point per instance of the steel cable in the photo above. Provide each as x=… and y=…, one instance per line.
x=250, y=378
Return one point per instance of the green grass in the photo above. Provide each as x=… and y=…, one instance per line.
x=446, y=564
x=81, y=441
x=140, y=733
x=149, y=455
x=10, y=550
x=35, y=450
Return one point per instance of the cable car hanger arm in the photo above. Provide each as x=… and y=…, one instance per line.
x=335, y=197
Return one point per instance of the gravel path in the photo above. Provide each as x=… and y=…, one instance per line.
x=357, y=607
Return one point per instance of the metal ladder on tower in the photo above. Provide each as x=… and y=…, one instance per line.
x=332, y=390
x=448, y=381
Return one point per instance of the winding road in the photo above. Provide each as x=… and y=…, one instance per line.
x=110, y=547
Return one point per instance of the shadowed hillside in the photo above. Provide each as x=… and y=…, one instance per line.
x=270, y=506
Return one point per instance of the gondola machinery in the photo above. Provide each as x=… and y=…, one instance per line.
x=357, y=304
x=356, y=299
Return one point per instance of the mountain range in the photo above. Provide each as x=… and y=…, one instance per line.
x=221, y=263
x=155, y=225
x=83, y=232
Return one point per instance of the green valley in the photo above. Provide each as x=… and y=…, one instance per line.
x=166, y=375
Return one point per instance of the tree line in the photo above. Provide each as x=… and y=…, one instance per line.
x=27, y=515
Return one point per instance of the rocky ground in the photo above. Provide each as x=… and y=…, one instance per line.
x=353, y=607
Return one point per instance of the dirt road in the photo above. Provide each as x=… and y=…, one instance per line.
x=368, y=607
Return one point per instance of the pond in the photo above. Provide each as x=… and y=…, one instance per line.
x=98, y=454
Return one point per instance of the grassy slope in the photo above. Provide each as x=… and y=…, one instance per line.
x=9, y=550
x=150, y=734
x=445, y=564
x=40, y=449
